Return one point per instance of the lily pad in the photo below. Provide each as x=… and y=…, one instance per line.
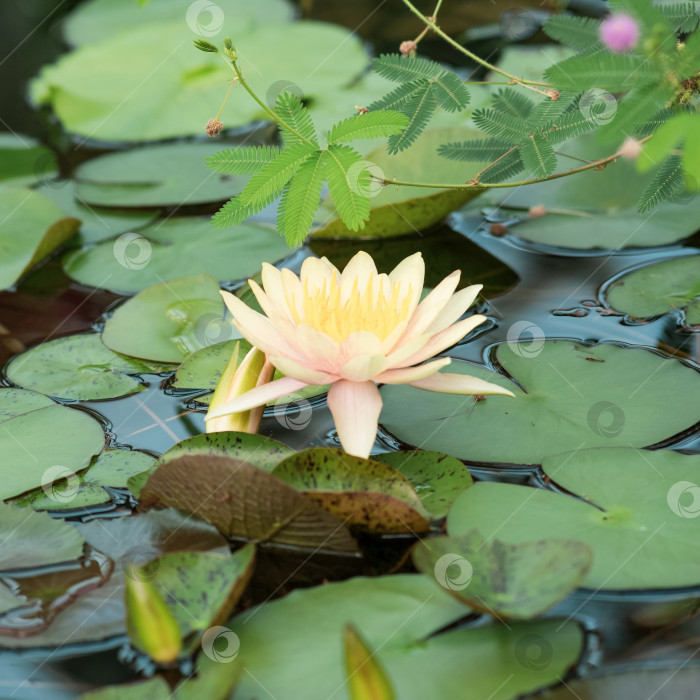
x=398, y=210
x=113, y=468
x=24, y=161
x=511, y=581
x=98, y=20
x=31, y=227
x=245, y=502
x=168, y=321
x=638, y=516
x=96, y=223
x=45, y=444
x=14, y=402
x=156, y=85
x=437, y=478
x=399, y=617
x=172, y=174
x=443, y=249
x=35, y=539
x=172, y=248
x=568, y=396
x=76, y=367
x=656, y=289
x=361, y=492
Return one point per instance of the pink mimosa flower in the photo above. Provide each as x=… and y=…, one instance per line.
x=353, y=330
x=619, y=33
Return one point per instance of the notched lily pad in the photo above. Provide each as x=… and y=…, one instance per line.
x=658, y=288
x=24, y=161
x=168, y=321
x=638, y=516
x=568, y=396
x=361, y=492
x=78, y=367
x=511, y=581
x=244, y=501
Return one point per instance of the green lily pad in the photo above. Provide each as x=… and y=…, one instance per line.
x=568, y=396
x=23, y=160
x=44, y=444
x=156, y=85
x=31, y=227
x=511, y=581
x=398, y=210
x=443, y=249
x=172, y=174
x=96, y=223
x=244, y=501
x=98, y=20
x=8, y=600
x=14, y=402
x=399, y=617
x=113, y=468
x=35, y=539
x=168, y=321
x=638, y=515
x=76, y=367
x=173, y=248
x=658, y=288
x=437, y=478
x=361, y=492
x=200, y=588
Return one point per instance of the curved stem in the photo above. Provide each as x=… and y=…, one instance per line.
x=431, y=23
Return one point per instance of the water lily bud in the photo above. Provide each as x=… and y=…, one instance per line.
x=630, y=149
x=408, y=48
x=619, y=33
x=365, y=676
x=214, y=127
x=150, y=623
x=537, y=210
x=238, y=378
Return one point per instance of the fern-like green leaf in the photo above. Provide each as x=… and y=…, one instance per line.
x=368, y=126
x=398, y=97
x=479, y=150
x=658, y=120
x=450, y=92
x=546, y=111
x=348, y=180
x=291, y=111
x=301, y=199
x=234, y=212
x=569, y=125
x=512, y=103
x=506, y=168
x=503, y=126
x=635, y=110
x=682, y=16
x=538, y=156
x=401, y=69
x=644, y=11
x=666, y=184
x=578, y=33
x=608, y=71
x=419, y=109
x=242, y=160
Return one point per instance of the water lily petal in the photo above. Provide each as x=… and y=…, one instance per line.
x=258, y=397
x=412, y=374
x=410, y=273
x=258, y=329
x=355, y=407
x=455, y=307
x=301, y=372
x=272, y=284
x=444, y=340
x=316, y=271
x=356, y=275
x=322, y=351
x=293, y=293
x=408, y=349
x=360, y=343
x=361, y=368
x=450, y=383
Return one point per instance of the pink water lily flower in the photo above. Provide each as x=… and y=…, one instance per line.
x=353, y=330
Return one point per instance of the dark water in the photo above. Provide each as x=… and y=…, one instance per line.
x=558, y=295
